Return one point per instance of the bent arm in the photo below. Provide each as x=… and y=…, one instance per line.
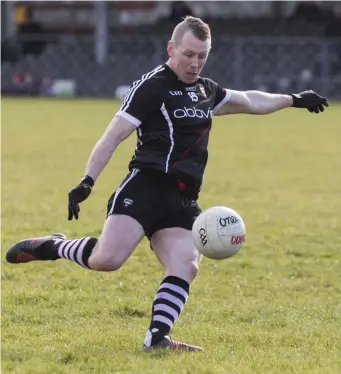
x=117, y=131
x=253, y=102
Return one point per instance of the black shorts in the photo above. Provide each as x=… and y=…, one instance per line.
x=155, y=200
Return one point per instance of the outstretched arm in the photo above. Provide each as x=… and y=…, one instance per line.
x=257, y=102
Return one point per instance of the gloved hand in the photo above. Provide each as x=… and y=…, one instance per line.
x=79, y=194
x=309, y=100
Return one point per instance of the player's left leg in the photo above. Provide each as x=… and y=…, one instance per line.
x=174, y=248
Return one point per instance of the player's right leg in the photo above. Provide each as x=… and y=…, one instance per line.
x=120, y=236
x=121, y=233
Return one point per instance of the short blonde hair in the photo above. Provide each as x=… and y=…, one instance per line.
x=197, y=26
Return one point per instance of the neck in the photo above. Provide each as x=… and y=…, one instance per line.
x=171, y=66
x=169, y=63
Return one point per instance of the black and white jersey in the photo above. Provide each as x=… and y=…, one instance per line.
x=173, y=121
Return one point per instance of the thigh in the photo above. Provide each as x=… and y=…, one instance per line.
x=120, y=236
x=176, y=251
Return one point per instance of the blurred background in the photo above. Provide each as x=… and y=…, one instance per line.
x=97, y=49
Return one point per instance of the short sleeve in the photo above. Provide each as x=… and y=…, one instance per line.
x=221, y=95
x=140, y=101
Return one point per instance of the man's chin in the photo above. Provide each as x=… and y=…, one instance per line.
x=190, y=78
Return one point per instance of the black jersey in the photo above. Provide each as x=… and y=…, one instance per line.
x=173, y=121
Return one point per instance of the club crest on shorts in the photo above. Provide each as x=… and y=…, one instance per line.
x=202, y=90
x=127, y=202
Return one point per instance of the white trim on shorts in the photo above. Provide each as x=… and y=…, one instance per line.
x=131, y=176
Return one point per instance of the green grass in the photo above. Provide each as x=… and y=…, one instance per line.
x=273, y=308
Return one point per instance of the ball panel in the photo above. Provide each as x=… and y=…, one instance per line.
x=200, y=235
x=219, y=232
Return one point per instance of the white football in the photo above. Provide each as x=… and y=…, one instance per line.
x=219, y=232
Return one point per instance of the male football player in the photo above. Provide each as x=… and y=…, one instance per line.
x=171, y=109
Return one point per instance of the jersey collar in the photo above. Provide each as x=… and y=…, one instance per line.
x=174, y=75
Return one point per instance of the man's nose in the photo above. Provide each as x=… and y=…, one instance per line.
x=194, y=62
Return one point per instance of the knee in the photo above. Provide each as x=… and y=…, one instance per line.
x=105, y=263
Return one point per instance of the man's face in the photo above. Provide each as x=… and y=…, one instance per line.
x=188, y=57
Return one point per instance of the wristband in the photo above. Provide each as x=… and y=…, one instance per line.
x=88, y=180
x=295, y=99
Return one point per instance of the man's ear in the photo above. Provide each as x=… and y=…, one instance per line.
x=170, y=48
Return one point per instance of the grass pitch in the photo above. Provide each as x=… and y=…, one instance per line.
x=273, y=308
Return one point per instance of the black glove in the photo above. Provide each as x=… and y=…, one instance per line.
x=79, y=194
x=309, y=100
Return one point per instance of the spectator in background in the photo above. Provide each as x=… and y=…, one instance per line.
x=31, y=35
x=18, y=80
x=23, y=84
x=308, y=11
x=179, y=10
x=45, y=88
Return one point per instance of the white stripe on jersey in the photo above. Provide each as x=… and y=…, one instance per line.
x=129, y=118
x=170, y=125
x=139, y=136
x=144, y=77
x=225, y=100
x=136, y=85
x=139, y=141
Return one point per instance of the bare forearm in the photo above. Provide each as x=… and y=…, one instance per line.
x=100, y=156
x=118, y=130
x=265, y=103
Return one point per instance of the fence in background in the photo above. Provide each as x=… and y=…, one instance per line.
x=274, y=64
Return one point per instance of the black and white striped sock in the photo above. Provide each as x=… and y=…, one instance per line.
x=168, y=304
x=77, y=250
